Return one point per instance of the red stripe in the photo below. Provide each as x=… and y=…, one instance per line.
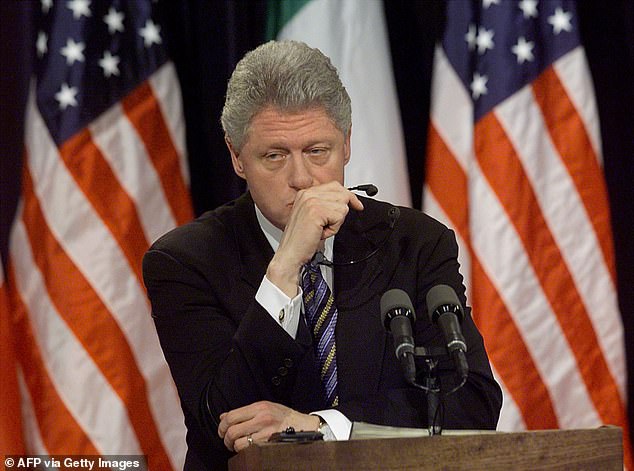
x=569, y=136
x=11, y=439
x=503, y=169
x=57, y=426
x=509, y=354
x=143, y=110
x=101, y=187
x=448, y=182
x=75, y=299
x=504, y=344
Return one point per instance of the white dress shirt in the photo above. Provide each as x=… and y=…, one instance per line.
x=287, y=312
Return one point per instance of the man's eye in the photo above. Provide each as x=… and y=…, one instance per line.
x=274, y=157
x=317, y=152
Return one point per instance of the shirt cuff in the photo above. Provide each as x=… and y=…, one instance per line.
x=339, y=424
x=284, y=310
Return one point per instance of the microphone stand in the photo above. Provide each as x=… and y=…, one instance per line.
x=431, y=385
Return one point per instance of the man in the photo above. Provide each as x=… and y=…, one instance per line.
x=231, y=292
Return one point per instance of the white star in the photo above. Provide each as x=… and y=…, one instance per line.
x=46, y=5
x=560, y=21
x=479, y=85
x=470, y=37
x=41, y=45
x=529, y=8
x=109, y=64
x=67, y=96
x=523, y=50
x=114, y=20
x=79, y=8
x=150, y=33
x=484, y=39
x=73, y=51
x=487, y=3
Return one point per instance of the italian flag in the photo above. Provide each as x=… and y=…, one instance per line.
x=354, y=35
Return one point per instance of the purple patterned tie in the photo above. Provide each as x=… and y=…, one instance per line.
x=321, y=316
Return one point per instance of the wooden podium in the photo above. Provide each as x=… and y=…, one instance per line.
x=594, y=449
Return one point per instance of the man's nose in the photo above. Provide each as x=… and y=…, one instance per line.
x=300, y=176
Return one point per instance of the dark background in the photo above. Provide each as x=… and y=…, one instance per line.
x=207, y=37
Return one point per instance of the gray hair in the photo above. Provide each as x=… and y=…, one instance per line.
x=288, y=75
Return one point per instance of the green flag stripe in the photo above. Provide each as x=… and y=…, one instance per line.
x=279, y=12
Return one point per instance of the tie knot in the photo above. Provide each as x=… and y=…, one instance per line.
x=311, y=277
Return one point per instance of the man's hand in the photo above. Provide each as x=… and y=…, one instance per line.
x=259, y=421
x=318, y=213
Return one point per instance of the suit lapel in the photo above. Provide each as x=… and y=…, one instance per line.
x=255, y=251
x=361, y=339
x=361, y=234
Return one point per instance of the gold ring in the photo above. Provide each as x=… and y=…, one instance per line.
x=250, y=439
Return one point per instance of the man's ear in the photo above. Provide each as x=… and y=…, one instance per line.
x=346, y=147
x=235, y=159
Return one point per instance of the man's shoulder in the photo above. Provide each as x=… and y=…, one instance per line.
x=210, y=228
x=408, y=218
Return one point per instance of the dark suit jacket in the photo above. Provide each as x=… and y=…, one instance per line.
x=225, y=351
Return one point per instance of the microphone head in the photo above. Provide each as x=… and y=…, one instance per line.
x=442, y=299
x=371, y=190
x=396, y=302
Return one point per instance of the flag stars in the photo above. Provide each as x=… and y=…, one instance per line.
x=560, y=21
x=523, y=50
x=109, y=64
x=67, y=96
x=487, y=3
x=73, y=51
x=79, y=8
x=484, y=40
x=150, y=33
x=41, y=44
x=529, y=8
x=479, y=85
x=470, y=37
x=46, y=5
x=114, y=20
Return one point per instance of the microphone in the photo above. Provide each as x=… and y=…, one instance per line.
x=446, y=311
x=397, y=315
x=369, y=189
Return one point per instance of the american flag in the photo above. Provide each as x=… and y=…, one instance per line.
x=104, y=176
x=514, y=166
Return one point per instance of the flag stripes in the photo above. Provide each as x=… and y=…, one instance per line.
x=115, y=137
x=114, y=206
x=101, y=339
x=168, y=98
x=11, y=443
x=562, y=121
x=573, y=72
x=49, y=411
x=144, y=114
x=519, y=178
x=32, y=438
x=494, y=318
x=70, y=259
x=514, y=190
x=518, y=286
x=92, y=376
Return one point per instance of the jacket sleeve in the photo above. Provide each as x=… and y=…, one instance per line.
x=224, y=351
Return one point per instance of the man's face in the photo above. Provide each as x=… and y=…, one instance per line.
x=288, y=152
